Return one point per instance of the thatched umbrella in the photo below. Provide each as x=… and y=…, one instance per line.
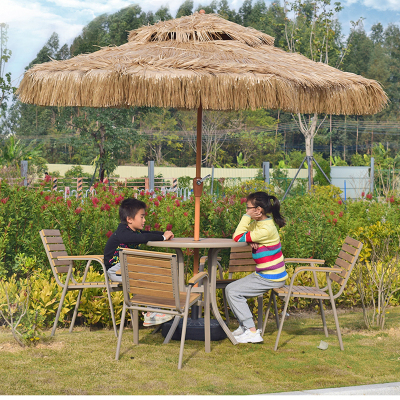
x=200, y=62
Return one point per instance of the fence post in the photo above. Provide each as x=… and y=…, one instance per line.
x=212, y=180
x=55, y=184
x=151, y=176
x=24, y=172
x=174, y=184
x=266, y=172
x=146, y=184
x=79, y=188
x=371, y=175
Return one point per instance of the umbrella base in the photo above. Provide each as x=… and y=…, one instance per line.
x=195, y=330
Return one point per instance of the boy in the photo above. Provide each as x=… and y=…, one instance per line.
x=130, y=234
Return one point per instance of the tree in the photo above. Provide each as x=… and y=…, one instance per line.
x=5, y=78
x=106, y=129
x=186, y=8
x=315, y=33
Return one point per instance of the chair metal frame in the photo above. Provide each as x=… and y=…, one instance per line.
x=62, y=263
x=150, y=283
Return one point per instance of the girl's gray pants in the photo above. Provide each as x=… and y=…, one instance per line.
x=239, y=291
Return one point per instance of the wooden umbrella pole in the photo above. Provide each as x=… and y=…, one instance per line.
x=197, y=189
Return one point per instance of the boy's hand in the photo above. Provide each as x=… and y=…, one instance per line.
x=254, y=246
x=168, y=235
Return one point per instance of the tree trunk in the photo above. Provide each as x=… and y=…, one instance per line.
x=102, y=152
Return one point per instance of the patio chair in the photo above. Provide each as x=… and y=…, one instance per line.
x=150, y=283
x=61, y=263
x=339, y=273
x=240, y=260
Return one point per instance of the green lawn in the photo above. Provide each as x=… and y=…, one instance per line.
x=82, y=363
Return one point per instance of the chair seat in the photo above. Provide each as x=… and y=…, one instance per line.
x=164, y=303
x=223, y=283
x=301, y=291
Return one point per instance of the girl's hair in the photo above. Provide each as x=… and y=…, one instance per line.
x=270, y=205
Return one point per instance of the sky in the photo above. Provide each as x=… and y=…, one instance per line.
x=31, y=22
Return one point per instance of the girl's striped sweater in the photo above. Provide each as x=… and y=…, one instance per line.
x=268, y=257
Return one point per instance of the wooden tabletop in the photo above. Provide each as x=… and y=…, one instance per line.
x=202, y=243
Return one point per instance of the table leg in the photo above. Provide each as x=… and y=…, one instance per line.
x=212, y=261
x=181, y=269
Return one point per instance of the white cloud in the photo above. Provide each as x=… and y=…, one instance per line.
x=381, y=5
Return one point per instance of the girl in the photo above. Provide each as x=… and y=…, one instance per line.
x=257, y=227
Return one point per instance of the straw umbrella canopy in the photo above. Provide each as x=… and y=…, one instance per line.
x=200, y=62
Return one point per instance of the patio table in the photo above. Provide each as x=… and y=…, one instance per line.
x=214, y=245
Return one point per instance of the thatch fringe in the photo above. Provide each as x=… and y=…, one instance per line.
x=219, y=74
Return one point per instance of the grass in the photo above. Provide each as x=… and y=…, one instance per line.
x=82, y=363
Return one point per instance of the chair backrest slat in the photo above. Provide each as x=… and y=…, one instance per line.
x=61, y=270
x=346, y=260
x=346, y=256
x=349, y=249
x=241, y=260
x=51, y=232
x=54, y=246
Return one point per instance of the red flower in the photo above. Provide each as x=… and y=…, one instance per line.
x=95, y=201
x=147, y=227
x=104, y=188
x=362, y=194
x=109, y=233
x=47, y=178
x=69, y=203
x=329, y=220
x=177, y=202
x=4, y=201
x=169, y=227
x=157, y=225
x=243, y=200
x=107, y=207
x=334, y=220
x=59, y=198
x=156, y=203
x=341, y=214
x=332, y=212
x=47, y=198
x=391, y=199
x=340, y=202
x=369, y=196
x=118, y=199
x=185, y=214
x=105, y=180
x=44, y=206
x=41, y=193
x=159, y=198
x=96, y=184
x=168, y=209
x=78, y=210
x=142, y=192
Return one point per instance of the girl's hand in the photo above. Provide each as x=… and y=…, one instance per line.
x=254, y=246
x=254, y=213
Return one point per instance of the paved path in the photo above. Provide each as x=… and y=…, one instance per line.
x=376, y=390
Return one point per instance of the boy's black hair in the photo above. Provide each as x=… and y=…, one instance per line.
x=129, y=208
x=270, y=205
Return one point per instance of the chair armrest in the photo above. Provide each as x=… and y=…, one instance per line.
x=197, y=278
x=314, y=269
x=82, y=258
x=304, y=261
